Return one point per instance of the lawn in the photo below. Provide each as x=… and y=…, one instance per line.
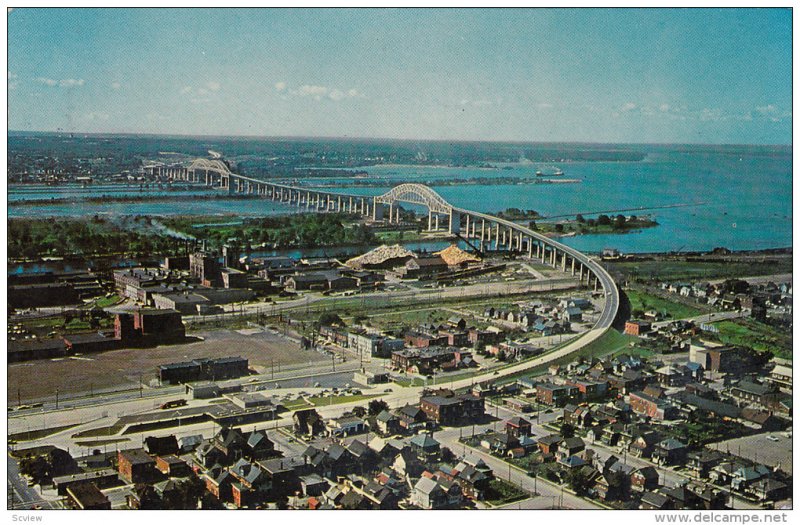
x=758, y=336
x=502, y=492
x=644, y=301
x=336, y=400
x=296, y=404
x=105, y=302
x=38, y=434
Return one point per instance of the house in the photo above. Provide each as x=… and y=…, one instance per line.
x=646, y=405
x=670, y=452
x=86, y=496
x=346, y=426
x=517, y=426
x=644, y=479
x=161, y=446
x=500, y=443
x=578, y=416
x=655, y=501
x=308, y=422
x=448, y=410
x=754, y=392
x=770, y=490
x=136, y=466
x=387, y=423
x=429, y=493
x=172, y=466
x=637, y=328
x=571, y=446
x=549, y=444
x=407, y=465
x=425, y=445
x=573, y=314
x=412, y=418
x=557, y=395
x=700, y=462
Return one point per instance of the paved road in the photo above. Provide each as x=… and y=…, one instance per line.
x=549, y=495
x=20, y=495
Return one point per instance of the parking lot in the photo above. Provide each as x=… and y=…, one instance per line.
x=771, y=449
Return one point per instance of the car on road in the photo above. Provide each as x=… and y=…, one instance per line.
x=773, y=438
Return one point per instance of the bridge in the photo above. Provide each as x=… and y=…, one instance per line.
x=487, y=231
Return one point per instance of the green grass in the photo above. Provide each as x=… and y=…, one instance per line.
x=501, y=492
x=401, y=236
x=645, y=301
x=101, y=442
x=328, y=400
x=38, y=434
x=99, y=432
x=698, y=270
x=758, y=336
x=107, y=301
x=296, y=404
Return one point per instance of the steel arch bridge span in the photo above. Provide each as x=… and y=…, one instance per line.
x=216, y=166
x=416, y=194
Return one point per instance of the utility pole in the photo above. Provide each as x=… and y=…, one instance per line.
x=56, y=398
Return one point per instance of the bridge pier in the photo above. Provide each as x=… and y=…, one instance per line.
x=455, y=222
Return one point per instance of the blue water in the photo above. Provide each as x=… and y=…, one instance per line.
x=747, y=196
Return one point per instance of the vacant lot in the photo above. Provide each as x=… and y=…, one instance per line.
x=121, y=369
x=755, y=335
x=644, y=301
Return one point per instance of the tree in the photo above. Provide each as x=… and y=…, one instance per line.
x=359, y=411
x=559, y=227
x=604, y=220
x=376, y=406
x=619, y=222
x=567, y=431
x=578, y=480
x=330, y=319
x=580, y=218
x=591, y=222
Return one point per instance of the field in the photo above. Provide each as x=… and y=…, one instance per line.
x=699, y=270
x=644, y=301
x=755, y=335
x=122, y=369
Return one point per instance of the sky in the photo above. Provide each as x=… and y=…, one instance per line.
x=584, y=75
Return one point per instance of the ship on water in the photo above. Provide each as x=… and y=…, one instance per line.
x=557, y=173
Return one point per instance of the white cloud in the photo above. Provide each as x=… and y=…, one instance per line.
x=628, y=106
x=185, y=90
x=116, y=85
x=319, y=92
x=664, y=108
x=65, y=82
x=213, y=86
x=544, y=105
